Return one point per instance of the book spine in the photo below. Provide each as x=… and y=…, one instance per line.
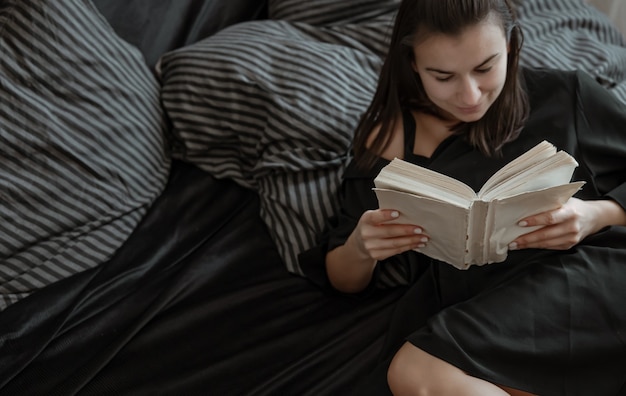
x=476, y=233
x=490, y=244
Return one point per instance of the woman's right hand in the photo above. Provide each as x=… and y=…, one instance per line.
x=351, y=265
x=376, y=237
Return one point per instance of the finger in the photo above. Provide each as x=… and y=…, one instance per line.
x=391, y=250
x=382, y=216
x=399, y=230
x=399, y=244
x=391, y=231
x=547, y=218
x=379, y=216
x=562, y=236
x=553, y=244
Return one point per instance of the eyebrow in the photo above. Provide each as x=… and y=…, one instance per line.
x=479, y=66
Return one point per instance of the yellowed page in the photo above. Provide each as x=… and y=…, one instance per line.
x=445, y=223
x=405, y=176
x=555, y=170
x=538, y=153
x=506, y=213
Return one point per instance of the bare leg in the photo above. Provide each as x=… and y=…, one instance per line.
x=415, y=372
x=515, y=392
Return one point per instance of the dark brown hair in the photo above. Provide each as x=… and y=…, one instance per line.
x=400, y=87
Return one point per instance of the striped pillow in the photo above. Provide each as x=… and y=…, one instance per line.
x=573, y=35
x=330, y=12
x=81, y=139
x=272, y=105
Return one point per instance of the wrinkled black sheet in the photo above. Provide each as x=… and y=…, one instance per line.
x=197, y=302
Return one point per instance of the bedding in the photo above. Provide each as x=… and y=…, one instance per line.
x=199, y=291
x=615, y=10
x=270, y=104
x=572, y=35
x=82, y=137
x=277, y=114
x=166, y=25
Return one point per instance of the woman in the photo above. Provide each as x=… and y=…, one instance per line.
x=551, y=318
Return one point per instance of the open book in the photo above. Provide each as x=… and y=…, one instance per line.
x=469, y=228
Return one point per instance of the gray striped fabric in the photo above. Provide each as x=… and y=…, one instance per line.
x=331, y=12
x=571, y=35
x=81, y=138
x=273, y=104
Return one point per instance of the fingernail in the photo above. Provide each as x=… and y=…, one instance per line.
x=395, y=214
x=424, y=239
x=513, y=246
x=418, y=230
x=522, y=223
x=421, y=245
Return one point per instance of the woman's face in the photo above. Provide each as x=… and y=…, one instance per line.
x=464, y=74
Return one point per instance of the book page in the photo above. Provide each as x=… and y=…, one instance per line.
x=504, y=214
x=538, y=153
x=444, y=223
x=405, y=176
x=555, y=170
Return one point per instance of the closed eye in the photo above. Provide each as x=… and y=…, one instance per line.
x=445, y=75
x=448, y=77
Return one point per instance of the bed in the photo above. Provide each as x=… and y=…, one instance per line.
x=163, y=165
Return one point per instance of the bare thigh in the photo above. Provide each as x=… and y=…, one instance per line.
x=414, y=372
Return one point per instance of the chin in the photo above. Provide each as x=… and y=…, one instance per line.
x=470, y=117
x=473, y=117
x=453, y=114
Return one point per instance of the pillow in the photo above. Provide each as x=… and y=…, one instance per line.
x=330, y=12
x=573, y=35
x=273, y=105
x=82, y=142
x=366, y=22
x=615, y=10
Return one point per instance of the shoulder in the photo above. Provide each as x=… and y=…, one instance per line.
x=540, y=81
x=560, y=88
x=394, y=139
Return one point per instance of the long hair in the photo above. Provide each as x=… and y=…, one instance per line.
x=400, y=87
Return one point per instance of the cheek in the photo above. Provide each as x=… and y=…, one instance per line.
x=499, y=78
x=437, y=91
x=492, y=87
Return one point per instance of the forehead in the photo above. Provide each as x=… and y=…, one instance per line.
x=472, y=44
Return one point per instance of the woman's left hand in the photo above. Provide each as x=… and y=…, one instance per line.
x=568, y=225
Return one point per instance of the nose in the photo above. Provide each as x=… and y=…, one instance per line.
x=469, y=92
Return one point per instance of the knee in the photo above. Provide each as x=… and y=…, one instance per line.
x=405, y=375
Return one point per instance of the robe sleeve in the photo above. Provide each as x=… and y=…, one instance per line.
x=601, y=129
x=356, y=196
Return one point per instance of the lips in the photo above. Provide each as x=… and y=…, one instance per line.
x=469, y=110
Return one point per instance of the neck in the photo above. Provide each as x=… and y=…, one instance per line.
x=430, y=131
